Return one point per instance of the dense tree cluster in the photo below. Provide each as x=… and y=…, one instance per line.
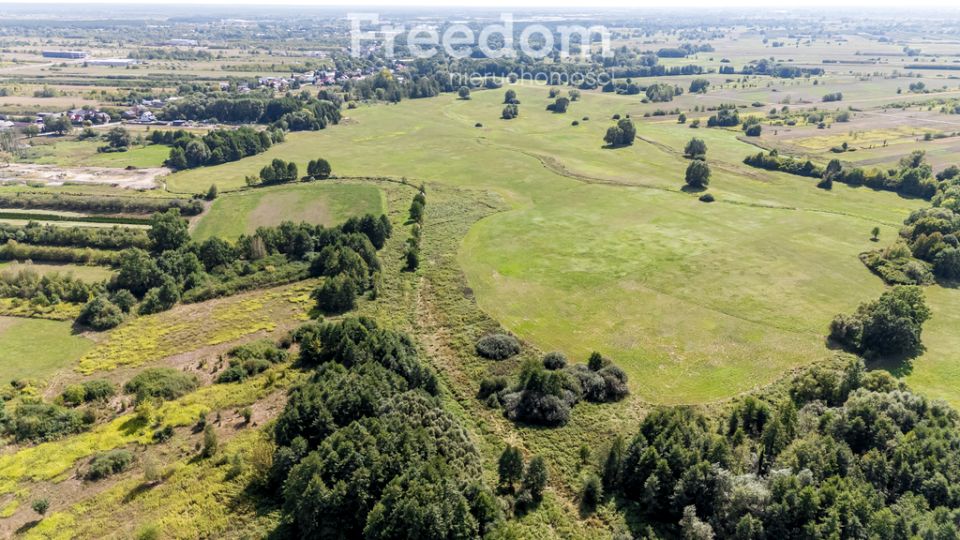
x=889, y=326
x=766, y=66
x=849, y=454
x=36, y=421
x=301, y=112
x=365, y=449
x=215, y=147
x=699, y=86
x=662, y=92
x=621, y=134
x=913, y=177
x=726, y=116
x=560, y=105
x=279, y=172
x=179, y=269
x=47, y=288
x=318, y=169
x=833, y=96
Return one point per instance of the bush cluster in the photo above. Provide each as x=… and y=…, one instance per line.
x=546, y=391
x=498, y=346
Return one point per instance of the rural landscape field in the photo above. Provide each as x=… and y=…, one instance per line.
x=586, y=272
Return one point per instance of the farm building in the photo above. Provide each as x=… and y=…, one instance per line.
x=64, y=54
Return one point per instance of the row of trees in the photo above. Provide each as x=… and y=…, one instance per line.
x=99, y=204
x=913, y=177
x=114, y=237
x=283, y=172
x=301, y=112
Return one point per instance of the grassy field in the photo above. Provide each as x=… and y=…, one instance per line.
x=601, y=250
x=84, y=272
x=71, y=153
x=325, y=203
x=36, y=349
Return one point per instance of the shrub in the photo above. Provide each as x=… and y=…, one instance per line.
x=707, y=198
x=498, y=346
x=38, y=421
x=491, y=385
x=108, y=463
x=40, y=506
x=541, y=397
x=604, y=385
x=100, y=314
x=95, y=390
x=554, y=361
x=210, y=442
x=162, y=382
x=260, y=349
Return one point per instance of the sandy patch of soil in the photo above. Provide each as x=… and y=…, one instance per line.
x=55, y=175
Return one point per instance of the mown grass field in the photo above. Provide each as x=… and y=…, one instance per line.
x=601, y=250
x=323, y=203
x=71, y=153
x=36, y=349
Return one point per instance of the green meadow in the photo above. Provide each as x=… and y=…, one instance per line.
x=322, y=203
x=36, y=349
x=602, y=250
x=84, y=153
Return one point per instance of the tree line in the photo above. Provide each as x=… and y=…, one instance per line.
x=913, y=177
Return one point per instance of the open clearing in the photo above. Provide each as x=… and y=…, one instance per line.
x=36, y=349
x=603, y=251
x=56, y=175
x=323, y=203
x=84, y=154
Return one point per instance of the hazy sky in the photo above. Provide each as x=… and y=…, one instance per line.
x=952, y=5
